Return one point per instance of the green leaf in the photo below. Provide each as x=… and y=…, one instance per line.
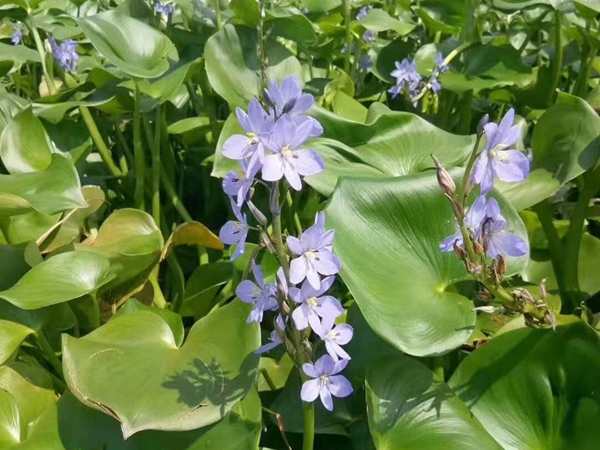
x=202, y=287
x=162, y=386
x=86, y=429
x=14, y=263
x=441, y=15
x=316, y=6
x=290, y=24
x=409, y=409
x=233, y=67
x=59, y=279
x=12, y=57
x=565, y=143
x=379, y=20
x=24, y=145
x=132, y=306
x=50, y=191
x=132, y=243
x=11, y=336
x=345, y=106
x=378, y=233
x=192, y=233
x=132, y=46
x=534, y=389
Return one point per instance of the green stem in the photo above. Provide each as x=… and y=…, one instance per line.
x=172, y=194
x=309, y=426
x=463, y=190
x=544, y=214
x=96, y=311
x=123, y=142
x=138, y=151
x=278, y=235
x=218, y=14
x=574, y=235
x=196, y=101
x=557, y=62
x=156, y=167
x=40, y=48
x=159, y=299
x=49, y=352
x=347, y=21
x=587, y=60
x=209, y=103
x=104, y=151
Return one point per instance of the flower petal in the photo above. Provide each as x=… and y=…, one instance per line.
x=306, y=162
x=508, y=244
x=298, y=270
x=309, y=370
x=325, y=365
x=246, y=291
x=344, y=333
x=339, y=386
x=294, y=245
x=237, y=147
x=310, y=390
x=232, y=232
x=272, y=169
x=326, y=398
x=292, y=177
x=326, y=263
x=300, y=316
x=511, y=166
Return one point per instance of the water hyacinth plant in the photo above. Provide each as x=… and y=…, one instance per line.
x=300, y=225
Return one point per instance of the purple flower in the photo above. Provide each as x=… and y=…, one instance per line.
x=325, y=382
x=237, y=183
x=235, y=231
x=365, y=63
x=435, y=84
x=17, y=35
x=65, y=53
x=258, y=125
x=262, y=295
x=345, y=48
x=368, y=36
x=406, y=76
x=336, y=336
x=273, y=337
x=289, y=159
x=313, y=305
x=314, y=254
x=473, y=220
x=497, y=159
x=439, y=63
x=362, y=12
x=164, y=9
x=496, y=241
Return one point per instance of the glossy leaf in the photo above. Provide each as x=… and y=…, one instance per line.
x=132, y=46
x=202, y=286
x=163, y=386
x=192, y=233
x=11, y=336
x=233, y=68
x=379, y=20
x=24, y=144
x=378, y=233
x=412, y=410
x=50, y=191
x=59, y=279
x=132, y=306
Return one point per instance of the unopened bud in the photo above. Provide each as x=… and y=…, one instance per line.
x=258, y=215
x=274, y=202
x=478, y=247
x=285, y=308
x=487, y=309
x=444, y=179
x=269, y=99
x=289, y=105
x=501, y=265
x=482, y=123
x=460, y=251
x=268, y=243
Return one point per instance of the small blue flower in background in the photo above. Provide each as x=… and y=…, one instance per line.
x=315, y=254
x=362, y=12
x=235, y=231
x=238, y=182
x=261, y=295
x=17, y=36
x=345, y=48
x=65, y=53
x=406, y=76
x=325, y=381
x=497, y=158
x=368, y=36
x=439, y=63
x=365, y=63
x=313, y=304
x=167, y=9
x=435, y=84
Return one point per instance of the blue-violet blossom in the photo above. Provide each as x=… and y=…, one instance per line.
x=313, y=305
x=325, y=381
x=235, y=231
x=362, y=12
x=335, y=336
x=473, y=220
x=65, y=53
x=17, y=36
x=368, y=36
x=167, y=9
x=496, y=241
x=262, y=295
x=406, y=76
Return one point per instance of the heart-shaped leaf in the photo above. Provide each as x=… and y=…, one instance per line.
x=409, y=409
x=192, y=233
x=392, y=264
x=535, y=389
x=24, y=144
x=233, y=67
x=162, y=386
x=379, y=20
x=173, y=319
x=50, y=191
x=132, y=46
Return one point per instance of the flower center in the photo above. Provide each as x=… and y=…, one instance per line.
x=324, y=379
x=252, y=138
x=312, y=301
x=332, y=335
x=285, y=151
x=310, y=255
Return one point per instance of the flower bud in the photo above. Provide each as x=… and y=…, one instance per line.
x=478, y=247
x=459, y=251
x=444, y=179
x=285, y=308
x=289, y=105
x=501, y=265
x=258, y=215
x=487, y=309
x=274, y=202
x=482, y=123
x=543, y=291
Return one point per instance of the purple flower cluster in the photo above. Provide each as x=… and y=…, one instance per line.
x=484, y=221
x=362, y=12
x=274, y=147
x=65, y=53
x=368, y=36
x=410, y=81
x=167, y=9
